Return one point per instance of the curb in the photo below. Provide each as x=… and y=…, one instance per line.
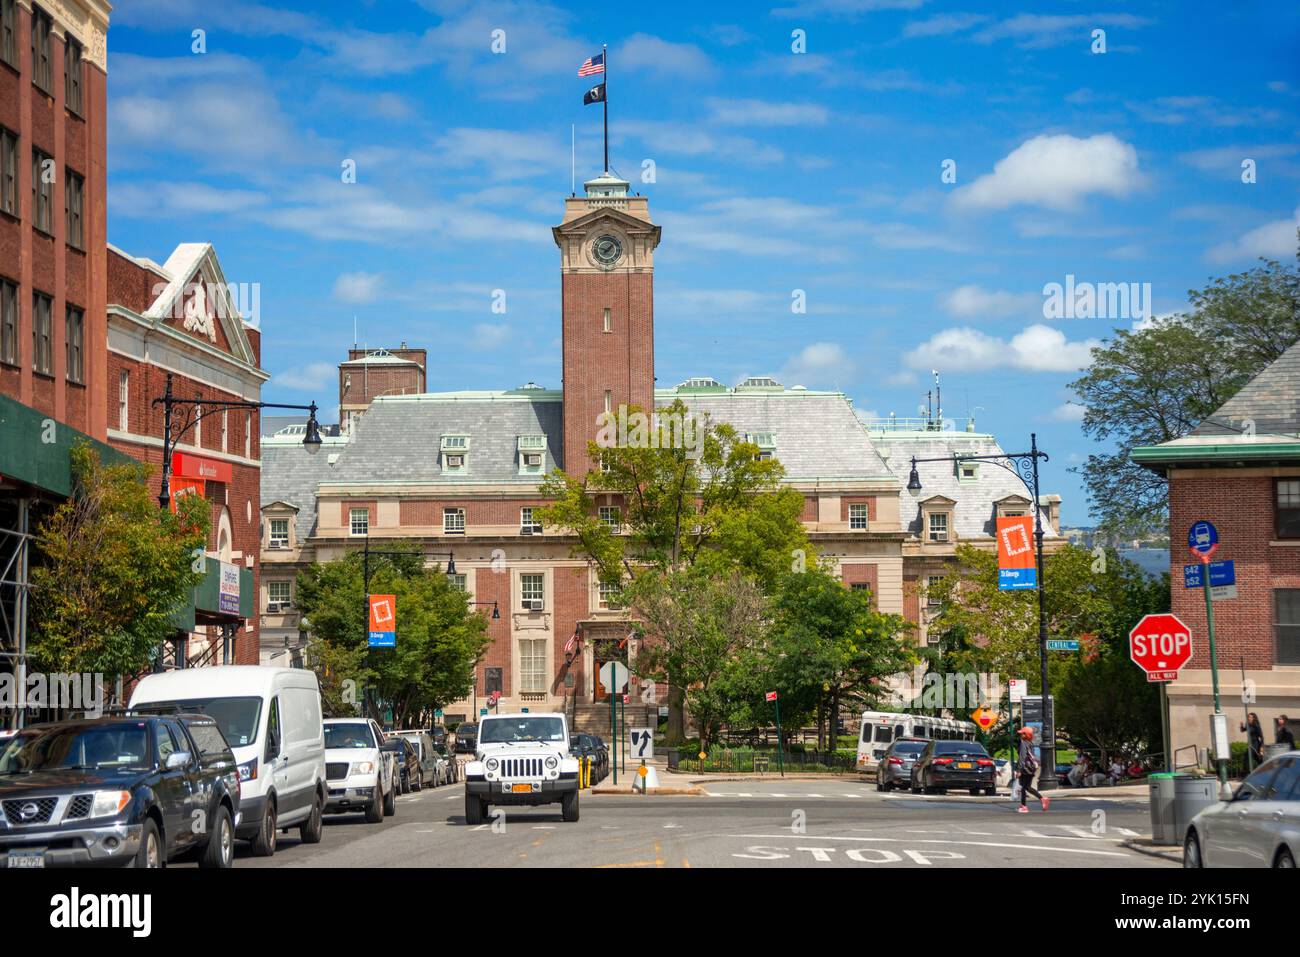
x=654, y=792
x=1145, y=846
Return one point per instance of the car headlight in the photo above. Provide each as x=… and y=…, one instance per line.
x=552, y=763
x=362, y=767
x=492, y=764
x=109, y=803
x=248, y=770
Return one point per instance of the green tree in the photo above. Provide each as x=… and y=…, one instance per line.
x=440, y=637
x=1108, y=705
x=831, y=647
x=113, y=568
x=721, y=511
x=1155, y=384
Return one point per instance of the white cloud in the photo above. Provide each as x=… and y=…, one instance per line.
x=1275, y=240
x=488, y=336
x=1055, y=171
x=1068, y=412
x=966, y=302
x=943, y=24
x=821, y=363
x=642, y=51
x=313, y=377
x=1038, y=348
x=767, y=113
x=850, y=9
x=1038, y=31
x=358, y=287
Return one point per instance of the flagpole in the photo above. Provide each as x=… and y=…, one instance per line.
x=604, y=51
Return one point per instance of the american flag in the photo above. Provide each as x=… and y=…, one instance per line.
x=593, y=65
x=568, y=645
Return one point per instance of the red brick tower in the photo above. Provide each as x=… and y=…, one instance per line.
x=607, y=244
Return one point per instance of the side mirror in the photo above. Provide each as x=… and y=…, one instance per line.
x=178, y=759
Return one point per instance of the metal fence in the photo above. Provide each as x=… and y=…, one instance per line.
x=748, y=761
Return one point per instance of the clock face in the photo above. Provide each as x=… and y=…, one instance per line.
x=607, y=250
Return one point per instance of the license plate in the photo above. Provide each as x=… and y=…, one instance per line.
x=964, y=764
x=26, y=859
x=522, y=788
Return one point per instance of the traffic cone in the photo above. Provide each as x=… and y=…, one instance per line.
x=651, y=779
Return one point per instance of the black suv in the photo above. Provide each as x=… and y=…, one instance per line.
x=135, y=790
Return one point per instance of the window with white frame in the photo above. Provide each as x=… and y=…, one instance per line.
x=967, y=471
x=359, y=521
x=453, y=521
x=532, y=665
x=458, y=581
x=858, y=513
x=225, y=430
x=532, y=454
x=609, y=595
x=279, y=593
x=611, y=515
x=248, y=435
x=766, y=443
x=609, y=327
x=455, y=452
x=932, y=599
x=531, y=587
x=938, y=526
x=527, y=522
x=123, y=400
x=279, y=533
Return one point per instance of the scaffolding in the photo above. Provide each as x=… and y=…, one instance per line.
x=15, y=569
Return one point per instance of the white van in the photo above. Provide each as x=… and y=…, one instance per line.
x=271, y=718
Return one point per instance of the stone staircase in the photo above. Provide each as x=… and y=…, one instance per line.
x=593, y=717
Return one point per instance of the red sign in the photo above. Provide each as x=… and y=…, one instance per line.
x=625, y=699
x=181, y=487
x=197, y=467
x=1160, y=645
x=770, y=696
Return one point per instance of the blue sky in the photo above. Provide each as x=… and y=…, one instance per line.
x=774, y=171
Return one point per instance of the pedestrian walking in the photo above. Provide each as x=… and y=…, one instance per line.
x=1284, y=735
x=1255, y=737
x=1028, y=765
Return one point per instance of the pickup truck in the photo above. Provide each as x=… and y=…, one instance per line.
x=359, y=774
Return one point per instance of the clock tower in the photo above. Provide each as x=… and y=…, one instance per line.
x=607, y=245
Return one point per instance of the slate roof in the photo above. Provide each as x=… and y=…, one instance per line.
x=816, y=434
x=1271, y=400
x=291, y=475
x=398, y=440
x=975, y=513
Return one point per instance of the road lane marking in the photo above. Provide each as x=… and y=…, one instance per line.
x=896, y=840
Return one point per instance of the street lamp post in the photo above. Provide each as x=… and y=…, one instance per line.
x=1023, y=465
x=195, y=413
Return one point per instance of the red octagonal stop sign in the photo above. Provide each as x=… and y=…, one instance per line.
x=1160, y=645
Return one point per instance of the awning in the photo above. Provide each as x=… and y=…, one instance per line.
x=223, y=596
x=36, y=450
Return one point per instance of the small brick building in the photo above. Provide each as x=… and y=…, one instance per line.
x=1240, y=469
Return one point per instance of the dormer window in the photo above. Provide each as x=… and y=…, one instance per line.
x=612, y=516
x=766, y=443
x=279, y=533
x=455, y=452
x=938, y=527
x=967, y=471
x=532, y=454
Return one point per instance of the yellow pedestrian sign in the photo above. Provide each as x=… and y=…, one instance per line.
x=984, y=718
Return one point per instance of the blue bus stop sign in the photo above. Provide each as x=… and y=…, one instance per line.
x=1203, y=539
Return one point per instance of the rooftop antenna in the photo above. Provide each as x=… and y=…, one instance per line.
x=573, y=159
x=354, y=330
x=938, y=396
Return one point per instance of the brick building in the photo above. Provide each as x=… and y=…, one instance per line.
x=370, y=373
x=460, y=473
x=1240, y=469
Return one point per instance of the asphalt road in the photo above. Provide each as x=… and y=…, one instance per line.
x=735, y=824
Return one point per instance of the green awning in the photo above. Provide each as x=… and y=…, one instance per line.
x=36, y=450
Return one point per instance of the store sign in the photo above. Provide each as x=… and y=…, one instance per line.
x=180, y=487
x=197, y=467
x=228, y=601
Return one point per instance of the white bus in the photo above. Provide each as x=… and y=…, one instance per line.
x=880, y=728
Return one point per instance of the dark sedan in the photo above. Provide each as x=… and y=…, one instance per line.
x=583, y=745
x=114, y=791
x=466, y=738
x=954, y=764
x=411, y=775
x=895, y=767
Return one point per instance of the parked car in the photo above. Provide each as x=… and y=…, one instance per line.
x=361, y=775
x=894, y=770
x=1259, y=827
x=954, y=764
x=466, y=738
x=118, y=791
x=583, y=745
x=523, y=759
x=431, y=773
x=271, y=718
x=448, y=764
x=410, y=775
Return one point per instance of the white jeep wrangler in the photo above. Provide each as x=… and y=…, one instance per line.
x=521, y=759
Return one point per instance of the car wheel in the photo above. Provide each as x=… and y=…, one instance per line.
x=879, y=786
x=263, y=843
x=310, y=830
x=150, y=853
x=419, y=782
x=916, y=786
x=473, y=809
x=390, y=804
x=375, y=812
x=220, y=849
x=569, y=806
x=1192, y=851
x=1284, y=859
x=403, y=784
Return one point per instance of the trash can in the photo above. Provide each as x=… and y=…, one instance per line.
x=1190, y=795
x=1161, y=789
x=673, y=755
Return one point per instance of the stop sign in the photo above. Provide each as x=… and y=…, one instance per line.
x=1160, y=645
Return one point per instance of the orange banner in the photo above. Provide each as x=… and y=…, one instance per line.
x=1016, y=567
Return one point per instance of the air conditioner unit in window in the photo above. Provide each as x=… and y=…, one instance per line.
x=277, y=544
x=533, y=459
x=454, y=461
x=533, y=604
x=273, y=607
x=525, y=529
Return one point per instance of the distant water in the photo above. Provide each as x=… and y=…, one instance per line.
x=1153, y=561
